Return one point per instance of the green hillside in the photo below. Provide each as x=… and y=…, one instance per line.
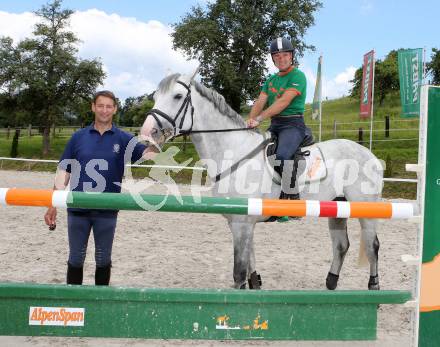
x=398, y=149
x=340, y=120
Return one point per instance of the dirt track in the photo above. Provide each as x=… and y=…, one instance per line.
x=195, y=251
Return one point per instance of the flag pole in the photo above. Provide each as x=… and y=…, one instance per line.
x=424, y=66
x=320, y=101
x=372, y=103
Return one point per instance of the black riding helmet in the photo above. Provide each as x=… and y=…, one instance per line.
x=281, y=44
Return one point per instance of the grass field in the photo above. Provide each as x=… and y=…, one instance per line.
x=340, y=120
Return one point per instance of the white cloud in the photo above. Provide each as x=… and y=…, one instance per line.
x=339, y=85
x=136, y=55
x=332, y=87
x=17, y=26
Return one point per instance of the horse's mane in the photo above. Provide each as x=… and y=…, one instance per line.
x=215, y=98
x=219, y=103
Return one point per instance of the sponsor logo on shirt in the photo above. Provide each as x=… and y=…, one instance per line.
x=116, y=148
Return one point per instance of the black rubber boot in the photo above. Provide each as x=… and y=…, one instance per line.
x=74, y=274
x=102, y=275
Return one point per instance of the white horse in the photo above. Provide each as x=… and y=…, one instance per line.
x=184, y=106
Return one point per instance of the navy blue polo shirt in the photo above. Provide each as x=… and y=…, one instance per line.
x=96, y=162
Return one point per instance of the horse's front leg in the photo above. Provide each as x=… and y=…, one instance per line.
x=243, y=238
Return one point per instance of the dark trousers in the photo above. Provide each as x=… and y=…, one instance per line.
x=290, y=132
x=80, y=224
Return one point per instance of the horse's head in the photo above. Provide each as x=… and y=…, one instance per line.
x=172, y=113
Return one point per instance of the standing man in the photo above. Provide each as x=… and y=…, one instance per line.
x=93, y=161
x=284, y=93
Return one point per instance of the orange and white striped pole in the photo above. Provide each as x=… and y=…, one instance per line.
x=242, y=206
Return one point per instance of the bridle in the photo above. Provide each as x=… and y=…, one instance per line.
x=187, y=103
x=155, y=113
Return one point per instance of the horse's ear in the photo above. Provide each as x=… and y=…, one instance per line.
x=195, y=72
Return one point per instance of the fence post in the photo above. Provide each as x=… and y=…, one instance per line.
x=334, y=128
x=54, y=128
x=387, y=126
x=30, y=130
x=361, y=136
x=8, y=132
x=184, y=143
x=14, y=146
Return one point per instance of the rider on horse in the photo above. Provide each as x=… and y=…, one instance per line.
x=284, y=93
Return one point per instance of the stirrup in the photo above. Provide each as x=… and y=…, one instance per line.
x=289, y=196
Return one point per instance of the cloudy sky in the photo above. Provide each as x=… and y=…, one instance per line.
x=132, y=38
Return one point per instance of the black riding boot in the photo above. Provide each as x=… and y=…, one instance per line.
x=291, y=194
x=102, y=275
x=292, y=191
x=74, y=274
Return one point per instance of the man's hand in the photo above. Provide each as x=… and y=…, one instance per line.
x=51, y=218
x=150, y=153
x=252, y=123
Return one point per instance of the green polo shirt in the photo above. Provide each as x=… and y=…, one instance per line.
x=278, y=83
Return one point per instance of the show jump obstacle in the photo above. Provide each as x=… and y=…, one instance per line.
x=171, y=203
x=58, y=310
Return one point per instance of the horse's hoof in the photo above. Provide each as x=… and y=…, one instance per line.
x=243, y=286
x=331, y=281
x=373, y=283
x=254, y=281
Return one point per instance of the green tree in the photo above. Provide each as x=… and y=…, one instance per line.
x=134, y=110
x=47, y=68
x=433, y=66
x=386, y=78
x=357, y=83
x=230, y=39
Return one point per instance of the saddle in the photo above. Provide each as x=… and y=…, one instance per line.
x=309, y=164
x=299, y=154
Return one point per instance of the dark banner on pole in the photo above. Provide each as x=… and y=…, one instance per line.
x=367, y=85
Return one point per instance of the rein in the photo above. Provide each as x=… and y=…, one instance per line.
x=188, y=132
x=251, y=154
x=155, y=113
x=186, y=103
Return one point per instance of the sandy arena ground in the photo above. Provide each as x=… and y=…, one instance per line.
x=195, y=251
